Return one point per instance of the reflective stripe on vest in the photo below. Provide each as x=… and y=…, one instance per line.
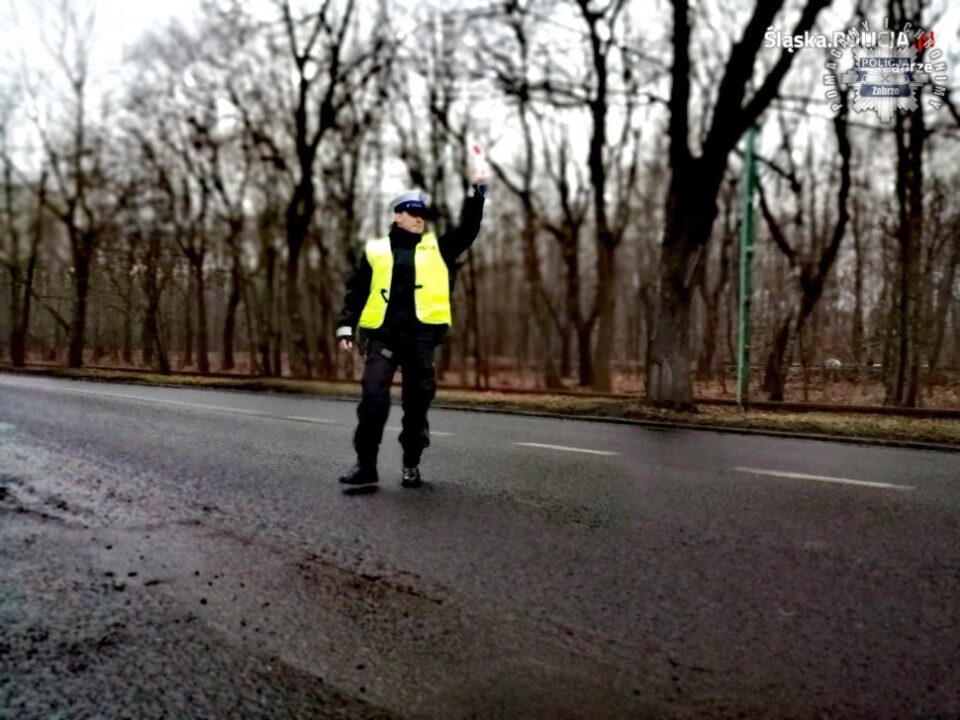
x=431, y=294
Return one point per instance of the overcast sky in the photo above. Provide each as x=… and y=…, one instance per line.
x=28, y=36
x=118, y=23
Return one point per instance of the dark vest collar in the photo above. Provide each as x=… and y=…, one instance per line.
x=403, y=238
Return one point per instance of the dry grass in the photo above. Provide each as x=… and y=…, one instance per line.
x=945, y=432
x=845, y=387
x=817, y=385
x=838, y=424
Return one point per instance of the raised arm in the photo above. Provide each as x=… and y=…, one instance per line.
x=456, y=240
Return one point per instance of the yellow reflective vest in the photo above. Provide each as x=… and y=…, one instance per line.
x=431, y=293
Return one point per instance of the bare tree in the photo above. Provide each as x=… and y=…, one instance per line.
x=20, y=262
x=567, y=230
x=514, y=80
x=604, y=160
x=941, y=267
x=74, y=167
x=903, y=373
x=329, y=66
x=712, y=292
x=812, y=269
x=695, y=181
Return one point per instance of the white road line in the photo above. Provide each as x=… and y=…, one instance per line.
x=161, y=401
x=822, y=478
x=397, y=428
x=568, y=449
x=217, y=408
x=198, y=406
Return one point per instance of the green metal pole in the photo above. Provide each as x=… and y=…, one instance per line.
x=746, y=270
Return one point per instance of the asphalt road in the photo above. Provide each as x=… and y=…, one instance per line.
x=188, y=553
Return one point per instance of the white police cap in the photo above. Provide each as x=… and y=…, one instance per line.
x=410, y=199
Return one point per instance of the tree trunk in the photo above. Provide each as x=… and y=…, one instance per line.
x=152, y=344
x=606, y=302
x=268, y=322
x=147, y=340
x=281, y=335
x=943, y=295
x=21, y=284
x=299, y=216
x=575, y=320
x=19, y=321
x=199, y=284
x=301, y=364
x=81, y=262
x=539, y=301
x=254, y=364
x=154, y=348
x=233, y=302
x=690, y=214
x=17, y=314
x=127, y=353
x=584, y=355
x=712, y=296
x=668, y=363
x=473, y=322
x=695, y=183
x=187, y=358
x=778, y=361
x=98, y=330
x=129, y=283
x=326, y=360
x=56, y=347
x=606, y=245
x=856, y=337
x=708, y=343
x=910, y=134
x=566, y=350
x=902, y=391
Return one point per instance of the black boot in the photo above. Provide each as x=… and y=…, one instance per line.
x=361, y=475
x=411, y=477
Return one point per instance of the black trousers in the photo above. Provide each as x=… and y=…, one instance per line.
x=414, y=356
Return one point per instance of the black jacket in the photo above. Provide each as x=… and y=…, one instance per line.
x=401, y=316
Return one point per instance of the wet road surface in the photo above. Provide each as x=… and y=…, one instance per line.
x=168, y=552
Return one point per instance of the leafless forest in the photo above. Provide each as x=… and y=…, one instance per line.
x=202, y=209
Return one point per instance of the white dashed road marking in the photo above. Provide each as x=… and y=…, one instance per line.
x=567, y=449
x=218, y=408
x=198, y=406
x=822, y=478
x=397, y=428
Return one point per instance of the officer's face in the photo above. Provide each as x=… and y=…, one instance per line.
x=408, y=221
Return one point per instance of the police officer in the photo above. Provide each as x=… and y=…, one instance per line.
x=399, y=296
